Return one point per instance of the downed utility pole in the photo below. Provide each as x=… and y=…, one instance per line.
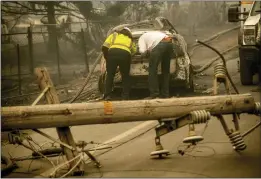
x=62, y=115
x=64, y=133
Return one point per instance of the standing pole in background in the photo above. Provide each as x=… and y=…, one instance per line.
x=86, y=60
x=19, y=69
x=30, y=45
x=58, y=59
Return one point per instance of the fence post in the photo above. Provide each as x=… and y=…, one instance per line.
x=19, y=69
x=58, y=59
x=86, y=60
x=30, y=45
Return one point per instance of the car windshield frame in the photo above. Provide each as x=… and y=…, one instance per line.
x=256, y=7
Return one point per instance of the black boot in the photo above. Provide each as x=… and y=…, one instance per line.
x=107, y=97
x=125, y=98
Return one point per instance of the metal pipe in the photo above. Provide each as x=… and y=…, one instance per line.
x=224, y=124
x=235, y=121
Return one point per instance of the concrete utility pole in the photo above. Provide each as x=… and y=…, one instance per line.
x=62, y=115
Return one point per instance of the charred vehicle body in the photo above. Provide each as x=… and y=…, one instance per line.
x=180, y=67
x=248, y=38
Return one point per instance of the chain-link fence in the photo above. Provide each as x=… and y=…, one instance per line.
x=14, y=61
x=66, y=50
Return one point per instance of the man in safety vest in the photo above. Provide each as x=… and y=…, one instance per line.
x=158, y=47
x=117, y=51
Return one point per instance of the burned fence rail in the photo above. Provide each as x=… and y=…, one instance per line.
x=61, y=115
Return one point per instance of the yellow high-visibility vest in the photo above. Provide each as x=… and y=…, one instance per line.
x=120, y=41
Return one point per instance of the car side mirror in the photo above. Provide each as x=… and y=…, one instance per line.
x=234, y=12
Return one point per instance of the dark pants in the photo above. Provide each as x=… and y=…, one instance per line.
x=121, y=58
x=161, y=53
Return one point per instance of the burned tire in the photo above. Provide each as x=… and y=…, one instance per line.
x=246, y=75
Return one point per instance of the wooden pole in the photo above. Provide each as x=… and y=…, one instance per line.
x=19, y=69
x=61, y=115
x=64, y=133
x=86, y=60
x=30, y=45
x=58, y=59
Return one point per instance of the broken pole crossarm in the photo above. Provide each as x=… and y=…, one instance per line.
x=61, y=115
x=40, y=96
x=67, y=142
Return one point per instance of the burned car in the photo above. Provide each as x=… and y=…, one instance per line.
x=181, y=75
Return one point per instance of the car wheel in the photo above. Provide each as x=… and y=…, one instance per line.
x=246, y=75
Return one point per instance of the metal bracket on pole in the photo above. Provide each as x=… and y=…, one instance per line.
x=220, y=75
x=167, y=126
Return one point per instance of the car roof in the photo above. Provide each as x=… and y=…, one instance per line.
x=159, y=23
